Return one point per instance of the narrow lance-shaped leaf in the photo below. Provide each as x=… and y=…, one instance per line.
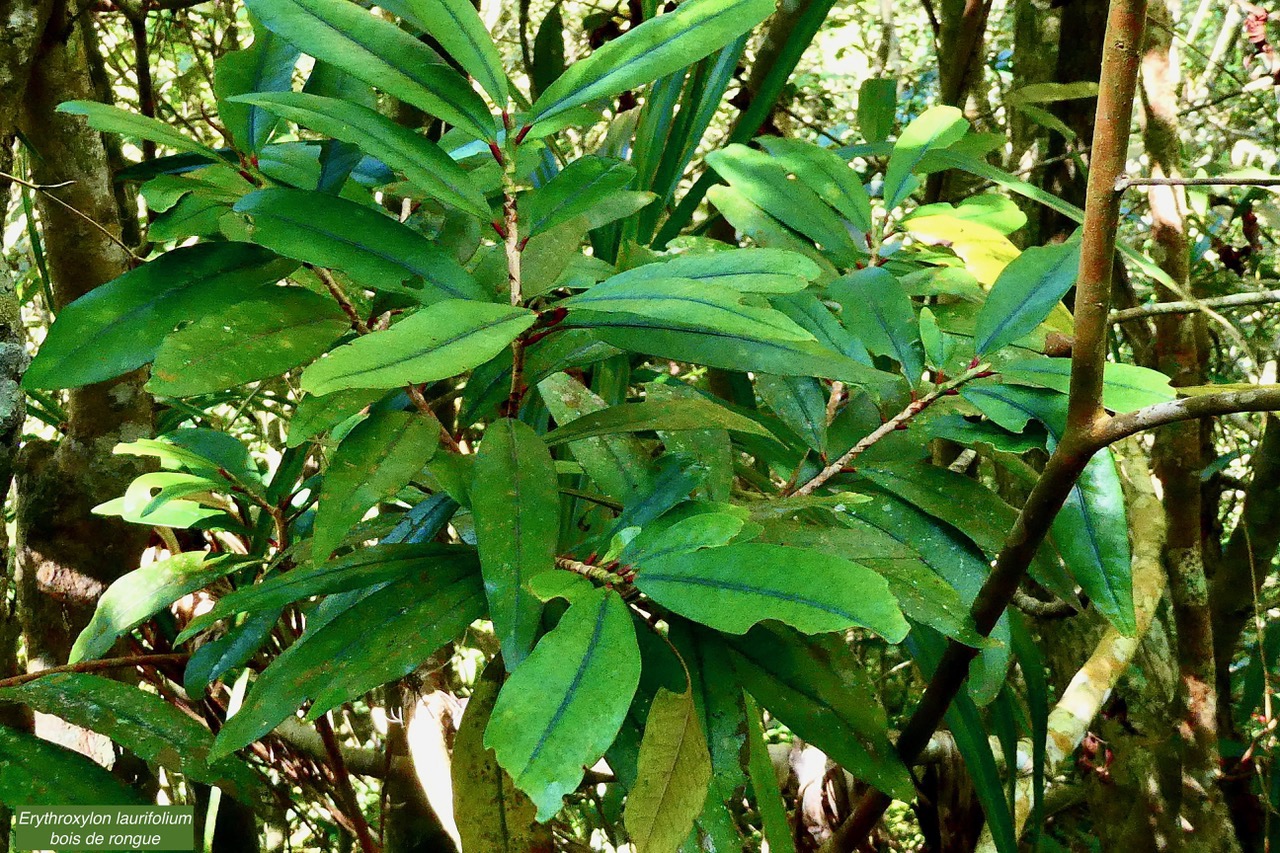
x=670, y=415
x=654, y=49
x=456, y=26
x=119, y=326
x=422, y=161
x=376, y=250
x=515, y=501
x=381, y=54
x=590, y=664
x=112, y=119
x=266, y=335
x=265, y=66
x=878, y=310
x=827, y=174
x=1024, y=294
x=491, y=812
x=382, y=637
x=734, y=587
x=764, y=784
x=38, y=772
x=142, y=593
x=673, y=772
x=1125, y=387
x=743, y=270
x=582, y=184
x=376, y=459
x=443, y=340
x=936, y=127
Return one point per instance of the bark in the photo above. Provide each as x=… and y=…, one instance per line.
x=66, y=556
x=1179, y=455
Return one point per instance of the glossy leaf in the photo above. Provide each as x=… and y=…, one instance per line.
x=40, y=773
x=674, y=772
x=764, y=784
x=799, y=402
x=515, y=502
x=119, y=326
x=377, y=251
x=492, y=814
x=743, y=270
x=669, y=416
x=265, y=66
x=654, y=49
x=590, y=663
x=422, y=161
x=379, y=53
x=143, y=723
x=878, y=310
x=267, y=334
x=361, y=569
x=936, y=127
x=580, y=186
x=442, y=340
x=382, y=637
x=827, y=174
x=763, y=181
x=734, y=587
x=1125, y=387
x=456, y=26
x=142, y=593
x=112, y=119
x=1025, y=293
x=816, y=686
x=877, y=104
x=314, y=414
x=376, y=459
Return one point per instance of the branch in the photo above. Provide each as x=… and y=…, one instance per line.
x=1082, y=699
x=97, y=666
x=1264, y=398
x=1124, y=182
x=1085, y=414
x=1233, y=300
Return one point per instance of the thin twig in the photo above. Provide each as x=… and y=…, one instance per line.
x=340, y=296
x=898, y=421
x=97, y=666
x=1233, y=300
x=46, y=190
x=343, y=779
x=1124, y=182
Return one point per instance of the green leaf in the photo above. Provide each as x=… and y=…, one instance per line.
x=560, y=711
x=990, y=209
x=213, y=455
x=654, y=49
x=671, y=416
x=39, y=773
x=442, y=340
x=936, y=127
x=218, y=656
x=361, y=569
x=580, y=186
x=265, y=66
x=492, y=814
x=376, y=459
x=878, y=310
x=515, y=501
x=456, y=26
x=112, y=119
x=618, y=464
x=141, y=722
x=142, y=593
x=1046, y=93
x=119, y=326
x=674, y=772
x=382, y=637
x=827, y=174
x=381, y=54
x=548, y=51
x=764, y=784
x=817, y=687
x=266, y=335
x=799, y=402
x=1125, y=388
x=422, y=161
x=373, y=248
x=1024, y=294
x=314, y=415
x=763, y=181
x=743, y=270
x=734, y=587
x=877, y=107
x=923, y=595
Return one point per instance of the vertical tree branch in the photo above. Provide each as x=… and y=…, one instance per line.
x=1085, y=416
